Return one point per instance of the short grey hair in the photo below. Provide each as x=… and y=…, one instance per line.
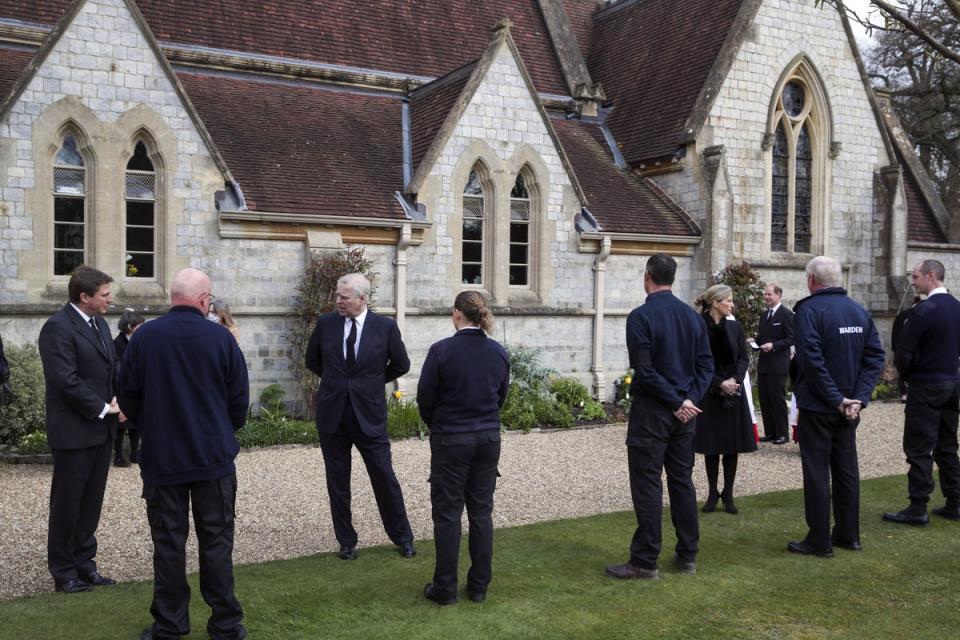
x=825, y=271
x=356, y=281
x=939, y=272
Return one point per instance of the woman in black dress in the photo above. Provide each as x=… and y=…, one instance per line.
x=725, y=428
x=463, y=384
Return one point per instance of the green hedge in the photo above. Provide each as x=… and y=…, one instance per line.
x=28, y=413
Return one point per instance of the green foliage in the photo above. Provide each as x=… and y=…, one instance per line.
x=884, y=391
x=403, y=418
x=27, y=414
x=517, y=413
x=747, y=294
x=315, y=295
x=272, y=397
x=592, y=410
x=34, y=443
x=267, y=432
x=622, y=390
x=550, y=413
x=525, y=368
x=569, y=392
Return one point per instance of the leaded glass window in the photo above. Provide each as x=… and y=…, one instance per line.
x=519, y=233
x=804, y=193
x=781, y=192
x=471, y=270
x=141, y=200
x=69, y=207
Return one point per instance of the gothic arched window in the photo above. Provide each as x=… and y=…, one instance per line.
x=140, y=222
x=471, y=270
x=69, y=207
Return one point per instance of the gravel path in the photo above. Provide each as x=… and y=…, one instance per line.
x=282, y=508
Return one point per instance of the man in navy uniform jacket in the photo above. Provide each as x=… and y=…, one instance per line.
x=356, y=353
x=839, y=360
x=927, y=357
x=79, y=368
x=670, y=354
x=184, y=384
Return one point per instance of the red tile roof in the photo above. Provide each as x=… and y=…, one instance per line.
x=296, y=148
x=13, y=62
x=429, y=107
x=38, y=11
x=580, y=13
x=619, y=200
x=652, y=58
x=921, y=223
x=419, y=37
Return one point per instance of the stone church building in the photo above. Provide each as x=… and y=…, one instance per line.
x=537, y=150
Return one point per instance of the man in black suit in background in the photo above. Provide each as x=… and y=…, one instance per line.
x=79, y=367
x=774, y=338
x=356, y=353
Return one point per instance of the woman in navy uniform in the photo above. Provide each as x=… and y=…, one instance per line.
x=725, y=428
x=463, y=384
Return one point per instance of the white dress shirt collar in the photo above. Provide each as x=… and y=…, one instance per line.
x=85, y=317
x=936, y=291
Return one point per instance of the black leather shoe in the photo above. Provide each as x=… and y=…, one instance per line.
x=947, y=512
x=98, y=580
x=120, y=462
x=729, y=506
x=347, y=552
x=908, y=516
x=688, y=567
x=711, y=503
x=805, y=549
x=73, y=586
x=766, y=439
x=630, y=572
x=406, y=549
x=433, y=596
x=476, y=596
x=850, y=546
x=780, y=440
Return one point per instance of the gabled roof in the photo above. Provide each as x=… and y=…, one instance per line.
x=67, y=15
x=304, y=148
x=657, y=61
x=619, y=200
x=927, y=217
x=429, y=106
x=13, y=63
x=475, y=74
x=418, y=37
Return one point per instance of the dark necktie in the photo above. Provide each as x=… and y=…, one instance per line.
x=351, y=344
x=769, y=315
x=93, y=325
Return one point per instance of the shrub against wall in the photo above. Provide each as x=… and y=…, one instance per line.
x=315, y=296
x=747, y=294
x=27, y=414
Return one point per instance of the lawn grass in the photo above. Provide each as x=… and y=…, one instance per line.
x=549, y=583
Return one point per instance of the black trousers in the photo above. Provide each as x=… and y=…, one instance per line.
x=375, y=451
x=213, y=518
x=656, y=442
x=773, y=404
x=463, y=471
x=134, y=436
x=930, y=435
x=828, y=448
x=76, y=497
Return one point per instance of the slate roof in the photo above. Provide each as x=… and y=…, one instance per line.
x=619, y=200
x=653, y=58
x=300, y=148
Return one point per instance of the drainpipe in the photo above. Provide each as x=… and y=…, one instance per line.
x=400, y=264
x=599, y=292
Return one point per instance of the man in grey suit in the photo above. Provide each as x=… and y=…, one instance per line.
x=356, y=352
x=79, y=368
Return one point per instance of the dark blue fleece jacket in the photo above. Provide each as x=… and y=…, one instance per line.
x=183, y=382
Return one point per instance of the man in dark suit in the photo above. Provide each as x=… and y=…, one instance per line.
x=774, y=337
x=356, y=353
x=184, y=384
x=670, y=354
x=79, y=367
x=926, y=357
